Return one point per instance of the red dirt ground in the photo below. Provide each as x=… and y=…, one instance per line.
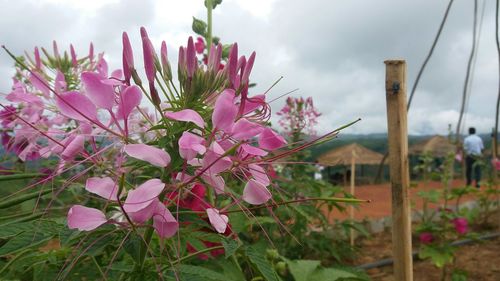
x=380, y=196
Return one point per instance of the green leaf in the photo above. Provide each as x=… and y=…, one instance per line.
x=19, y=176
x=262, y=264
x=439, y=256
x=334, y=274
x=202, y=272
x=24, y=240
x=133, y=245
x=302, y=269
x=259, y=221
x=238, y=221
x=25, y=197
x=459, y=275
x=230, y=246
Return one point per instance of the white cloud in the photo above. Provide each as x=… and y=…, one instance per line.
x=330, y=50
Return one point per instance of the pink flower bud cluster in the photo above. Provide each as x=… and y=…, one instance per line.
x=299, y=116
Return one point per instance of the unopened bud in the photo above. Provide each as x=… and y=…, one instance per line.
x=199, y=27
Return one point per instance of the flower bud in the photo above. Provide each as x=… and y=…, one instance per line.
x=91, y=53
x=199, y=27
x=149, y=63
x=38, y=61
x=191, y=61
x=74, y=60
x=127, y=58
x=167, y=71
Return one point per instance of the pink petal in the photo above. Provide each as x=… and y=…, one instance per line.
x=244, y=129
x=270, y=140
x=20, y=96
x=84, y=218
x=255, y=193
x=248, y=69
x=102, y=68
x=39, y=83
x=101, y=94
x=253, y=103
x=130, y=97
x=186, y=115
x=259, y=174
x=145, y=213
x=218, y=221
x=104, y=187
x=215, y=162
x=76, y=106
x=73, y=148
x=232, y=63
x=155, y=156
x=142, y=196
x=225, y=111
x=216, y=181
x=190, y=145
x=163, y=221
x=60, y=82
x=253, y=150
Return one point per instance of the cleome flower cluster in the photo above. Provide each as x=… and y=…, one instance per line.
x=148, y=145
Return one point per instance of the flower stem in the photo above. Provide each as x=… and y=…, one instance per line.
x=210, y=7
x=328, y=199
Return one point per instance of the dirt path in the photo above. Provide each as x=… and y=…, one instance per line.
x=380, y=196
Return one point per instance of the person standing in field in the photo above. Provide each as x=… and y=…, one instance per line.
x=473, y=147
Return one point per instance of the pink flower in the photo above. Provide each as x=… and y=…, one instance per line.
x=426, y=237
x=155, y=156
x=101, y=94
x=186, y=115
x=76, y=106
x=225, y=111
x=256, y=193
x=461, y=225
x=199, y=45
x=217, y=220
x=190, y=145
x=84, y=218
x=7, y=115
x=104, y=187
x=141, y=202
x=270, y=140
x=164, y=222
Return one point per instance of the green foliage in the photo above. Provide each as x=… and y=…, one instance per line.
x=440, y=256
x=262, y=264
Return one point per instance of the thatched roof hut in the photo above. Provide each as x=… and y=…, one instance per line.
x=343, y=156
x=437, y=146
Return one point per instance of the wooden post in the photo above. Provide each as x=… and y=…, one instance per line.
x=395, y=86
x=351, y=208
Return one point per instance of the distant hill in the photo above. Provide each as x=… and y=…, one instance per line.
x=376, y=142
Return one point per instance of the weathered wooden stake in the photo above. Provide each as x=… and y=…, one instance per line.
x=395, y=87
x=351, y=208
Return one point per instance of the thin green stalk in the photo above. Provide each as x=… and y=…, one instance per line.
x=210, y=7
x=13, y=260
x=98, y=267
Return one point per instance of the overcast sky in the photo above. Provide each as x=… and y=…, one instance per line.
x=330, y=50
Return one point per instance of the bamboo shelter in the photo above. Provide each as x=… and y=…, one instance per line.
x=437, y=146
x=342, y=156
